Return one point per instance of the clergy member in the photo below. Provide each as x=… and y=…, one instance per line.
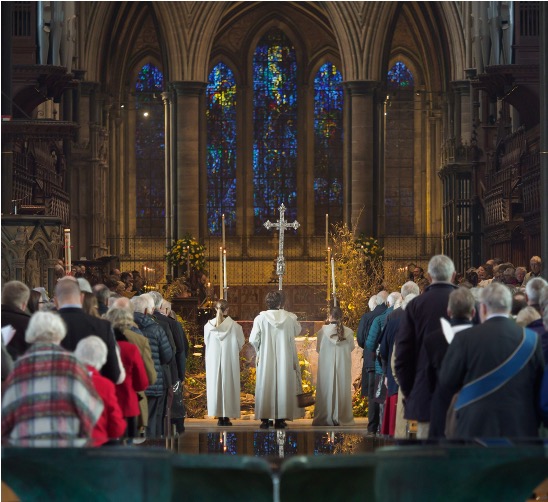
x=223, y=338
x=335, y=344
x=273, y=336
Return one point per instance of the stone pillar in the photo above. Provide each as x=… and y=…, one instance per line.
x=187, y=203
x=363, y=156
x=166, y=98
x=461, y=88
x=543, y=50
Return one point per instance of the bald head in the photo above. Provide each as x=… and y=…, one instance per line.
x=67, y=292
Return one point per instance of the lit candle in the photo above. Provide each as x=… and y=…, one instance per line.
x=224, y=269
x=333, y=274
x=328, y=271
x=224, y=243
x=326, y=230
x=220, y=273
x=188, y=262
x=68, y=252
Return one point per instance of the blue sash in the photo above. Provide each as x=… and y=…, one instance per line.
x=496, y=378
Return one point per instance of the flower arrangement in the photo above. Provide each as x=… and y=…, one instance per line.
x=187, y=252
x=369, y=247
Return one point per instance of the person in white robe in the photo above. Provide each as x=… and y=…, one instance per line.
x=224, y=339
x=278, y=374
x=335, y=344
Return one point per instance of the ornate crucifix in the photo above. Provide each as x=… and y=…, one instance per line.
x=282, y=225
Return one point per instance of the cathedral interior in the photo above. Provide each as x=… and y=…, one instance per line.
x=130, y=125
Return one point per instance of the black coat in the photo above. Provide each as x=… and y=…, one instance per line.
x=80, y=325
x=436, y=346
x=422, y=315
x=513, y=409
x=19, y=319
x=387, y=347
x=363, y=331
x=181, y=343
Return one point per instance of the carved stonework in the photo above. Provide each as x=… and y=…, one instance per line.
x=31, y=247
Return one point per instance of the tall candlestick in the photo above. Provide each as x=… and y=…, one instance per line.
x=68, y=252
x=221, y=297
x=333, y=274
x=188, y=262
x=328, y=272
x=224, y=243
x=224, y=269
x=326, y=230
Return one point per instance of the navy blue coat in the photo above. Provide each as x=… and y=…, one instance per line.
x=422, y=315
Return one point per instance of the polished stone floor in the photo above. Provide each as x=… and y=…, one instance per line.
x=244, y=437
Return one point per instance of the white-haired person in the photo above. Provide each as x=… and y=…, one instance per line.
x=533, y=291
x=162, y=353
x=49, y=394
x=224, y=339
x=371, y=345
x=408, y=291
x=92, y=352
x=335, y=343
x=378, y=302
x=136, y=380
x=422, y=316
x=497, y=368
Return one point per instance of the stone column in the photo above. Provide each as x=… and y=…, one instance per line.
x=543, y=50
x=168, y=173
x=187, y=202
x=460, y=87
x=363, y=156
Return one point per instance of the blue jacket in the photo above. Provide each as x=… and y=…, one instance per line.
x=162, y=353
x=374, y=336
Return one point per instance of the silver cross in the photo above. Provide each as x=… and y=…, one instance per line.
x=282, y=225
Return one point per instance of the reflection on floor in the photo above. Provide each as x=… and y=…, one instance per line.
x=246, y=438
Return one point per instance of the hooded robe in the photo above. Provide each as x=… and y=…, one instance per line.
x=334, y=385
x=278, y=374
x=222, y=358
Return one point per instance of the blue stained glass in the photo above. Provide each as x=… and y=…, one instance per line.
x=149, y=153
x=221, y=149
x=275, y=129
x=399, y=76
x=328, y=146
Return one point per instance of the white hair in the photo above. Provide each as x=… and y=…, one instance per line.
x=393, y=298
x=381, y=297
x=408, y=288
x=157, y=297
x=533, y=289
x=92, y=350
x=372, y=302
x=526, y=316
x=45, y=327
x=441, y=268
x=497, y=298
x=407, y=299
x=140, y=304
x=150, y=302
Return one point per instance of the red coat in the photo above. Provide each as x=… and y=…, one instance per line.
x=136, y=379
x=111, y=423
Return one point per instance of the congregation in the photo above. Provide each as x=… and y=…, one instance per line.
x=461, y=355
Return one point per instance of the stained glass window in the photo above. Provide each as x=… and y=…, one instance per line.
x=274, y=128
x=149, y=153
x=328, y=146
x=221, y=149
x=399, y=76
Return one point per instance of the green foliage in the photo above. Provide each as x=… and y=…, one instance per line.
x=359, y=404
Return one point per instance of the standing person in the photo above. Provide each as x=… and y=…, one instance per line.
x=536, y=264
x=422, y=316
x=162, y=353
x=224, y=339
x=68, y=300
x=368, y=368
x=273, y=337
x=92, y=352
x=32, y=405
x=506, y=403
x=15, y=296
x=335, y=344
